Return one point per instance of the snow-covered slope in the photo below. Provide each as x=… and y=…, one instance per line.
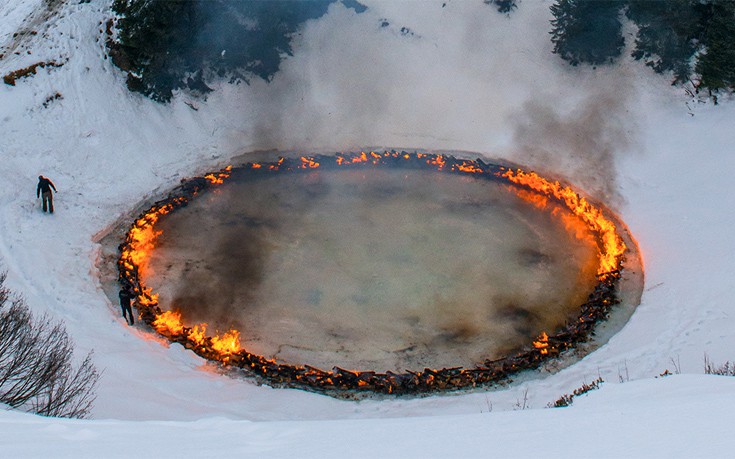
x=679, y=416
x=466, y=78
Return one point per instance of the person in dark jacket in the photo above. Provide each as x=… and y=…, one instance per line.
x=44, y=189
x=127, y=312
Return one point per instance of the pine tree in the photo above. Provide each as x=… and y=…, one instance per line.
x=668, y=34
x=585, y=31
x=716, y=65
x=165, y=45
x=504, y=6
x=152, y=43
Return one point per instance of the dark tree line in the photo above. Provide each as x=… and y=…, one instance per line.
x=692, y=39
x=36, y=372
x=166, y=45
x=587, y=31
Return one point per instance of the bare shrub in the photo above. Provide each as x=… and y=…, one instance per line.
x=725, y=369
x=677, y=365
x=11, y=77
x=36, y=371
x=623, y=375
x=522, y=404
x=568, y=399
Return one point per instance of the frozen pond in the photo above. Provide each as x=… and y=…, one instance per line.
x=373, y=269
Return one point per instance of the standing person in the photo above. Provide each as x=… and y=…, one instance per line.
x=127, y=312
x=44, y=190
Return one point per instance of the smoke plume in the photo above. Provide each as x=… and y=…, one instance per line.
x=581, y=143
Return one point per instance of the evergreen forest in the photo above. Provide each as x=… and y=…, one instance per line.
x=165, y=45
x=693, y=40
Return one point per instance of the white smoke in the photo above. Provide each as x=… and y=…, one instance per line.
x=583, y=142
x=441, y=75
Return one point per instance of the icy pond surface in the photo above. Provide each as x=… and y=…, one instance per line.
x=373, y=269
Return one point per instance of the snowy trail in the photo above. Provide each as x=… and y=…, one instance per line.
x=108, y=150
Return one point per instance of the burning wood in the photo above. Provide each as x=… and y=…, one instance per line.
x=226, y=349
x=219, y=178
x=169, y=323
x=228, y=343
x=542, y=344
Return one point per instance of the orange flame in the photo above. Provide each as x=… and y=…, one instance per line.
x=169, y=322
x=537, y=200
x=219, y=177
x=143, y=237
x=275, y=167
x=213, y=179
x=308, y=163
x=228, y=343
x=360, y=159
x=572, y=223
x=438, y=161
x=612, y=246
x=469, y=167
x=197, y=333
x=147, y=297
x=373, y=157
x=542, y=343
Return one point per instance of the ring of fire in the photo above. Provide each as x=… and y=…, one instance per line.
x=225, y=348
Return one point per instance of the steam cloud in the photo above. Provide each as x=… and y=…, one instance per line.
x=462, y=78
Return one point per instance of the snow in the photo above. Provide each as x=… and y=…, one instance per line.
x=467, y=79
x=636, y=419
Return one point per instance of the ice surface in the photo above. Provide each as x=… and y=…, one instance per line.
x=373, y=269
